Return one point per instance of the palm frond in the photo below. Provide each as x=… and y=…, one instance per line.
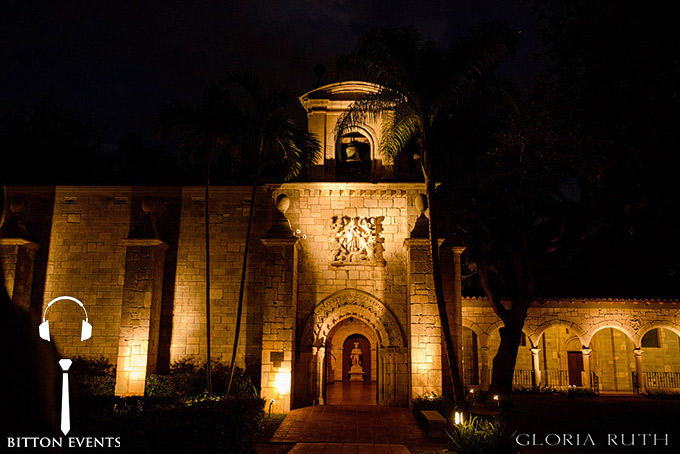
x=366, y=109
x=398, y=131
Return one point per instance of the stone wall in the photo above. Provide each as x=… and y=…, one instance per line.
x=228, y=225
x=148, y=310
x=81, y=235
x=87, y=261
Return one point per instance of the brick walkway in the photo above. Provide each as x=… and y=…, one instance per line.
x=355, y=429
x=348, y=448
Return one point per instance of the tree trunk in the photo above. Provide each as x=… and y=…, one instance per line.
x=208, y=362
x=244, y=267
x=506, y=358
x=458, y=393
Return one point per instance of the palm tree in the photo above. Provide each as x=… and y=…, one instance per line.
x=278, y=143
x=206, y=130
x=255, y=135
x=421, y=85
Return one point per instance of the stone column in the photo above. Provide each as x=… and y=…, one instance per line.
x=140, y=317
x=642, y=384
x=18, y=258
x=485, y=378
x=536, y=367
x=423, y=315
x=587, y=380
x=140, y=314
x=426, y=336
x=319, y=353
x=17, y=250
x=280, y=312
x=279, y=322
x=452, y=285
x=390, y=381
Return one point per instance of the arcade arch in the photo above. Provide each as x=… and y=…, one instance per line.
x=660, y=359
x=613, y=359
x=560, y=355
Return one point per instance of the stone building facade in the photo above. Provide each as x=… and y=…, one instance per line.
x=340, y=256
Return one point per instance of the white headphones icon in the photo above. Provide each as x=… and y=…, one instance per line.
x=44, y=328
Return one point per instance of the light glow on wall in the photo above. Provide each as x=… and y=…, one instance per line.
x=282, y=382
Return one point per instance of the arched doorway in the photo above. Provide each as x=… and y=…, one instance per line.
x=352, y=311
x=342, y=387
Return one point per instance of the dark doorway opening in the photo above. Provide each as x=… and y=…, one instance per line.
x=575, y=367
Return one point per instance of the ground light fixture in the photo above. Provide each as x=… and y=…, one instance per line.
x=458, y=417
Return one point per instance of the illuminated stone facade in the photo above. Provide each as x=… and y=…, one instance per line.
x=329, y=259
x=599, y=343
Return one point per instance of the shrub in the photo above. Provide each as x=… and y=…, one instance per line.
x=146, y=425
x=662, y=394
x=93, y=377
x=187, y=378
x=541, y=390
x=175, y=415
x=579, y=391
x=480, y=436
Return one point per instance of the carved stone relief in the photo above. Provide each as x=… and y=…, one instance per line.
x=355, y=241
x=359, y=305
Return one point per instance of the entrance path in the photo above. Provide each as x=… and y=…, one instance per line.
x=345, y=393
x=356, y=429
x=348, y=448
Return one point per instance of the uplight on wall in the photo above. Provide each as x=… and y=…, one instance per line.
x=282, y=382
x=457, y=417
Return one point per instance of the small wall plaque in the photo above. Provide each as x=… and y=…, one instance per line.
x=276, y=358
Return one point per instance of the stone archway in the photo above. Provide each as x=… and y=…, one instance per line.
x=392, y=356
x=335, y=348
x=352, y=303
x=613, y=359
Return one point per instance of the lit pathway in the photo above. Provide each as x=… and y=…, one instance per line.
x=356, y=429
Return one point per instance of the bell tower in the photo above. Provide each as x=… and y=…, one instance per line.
x=353, y=156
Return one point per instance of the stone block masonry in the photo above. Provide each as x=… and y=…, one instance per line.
x=146, y=302
x=140, y=315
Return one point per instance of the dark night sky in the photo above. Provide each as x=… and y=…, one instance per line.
x=118, y=62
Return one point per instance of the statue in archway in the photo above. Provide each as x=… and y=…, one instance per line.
x=356, y=355
x=356, y=372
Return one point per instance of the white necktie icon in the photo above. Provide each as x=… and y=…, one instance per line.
x=65, y=409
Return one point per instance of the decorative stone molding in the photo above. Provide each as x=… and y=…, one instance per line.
x=280, y=225
x=355, y=241
x=352, y=303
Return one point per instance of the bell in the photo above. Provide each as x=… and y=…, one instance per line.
x=352, y=153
